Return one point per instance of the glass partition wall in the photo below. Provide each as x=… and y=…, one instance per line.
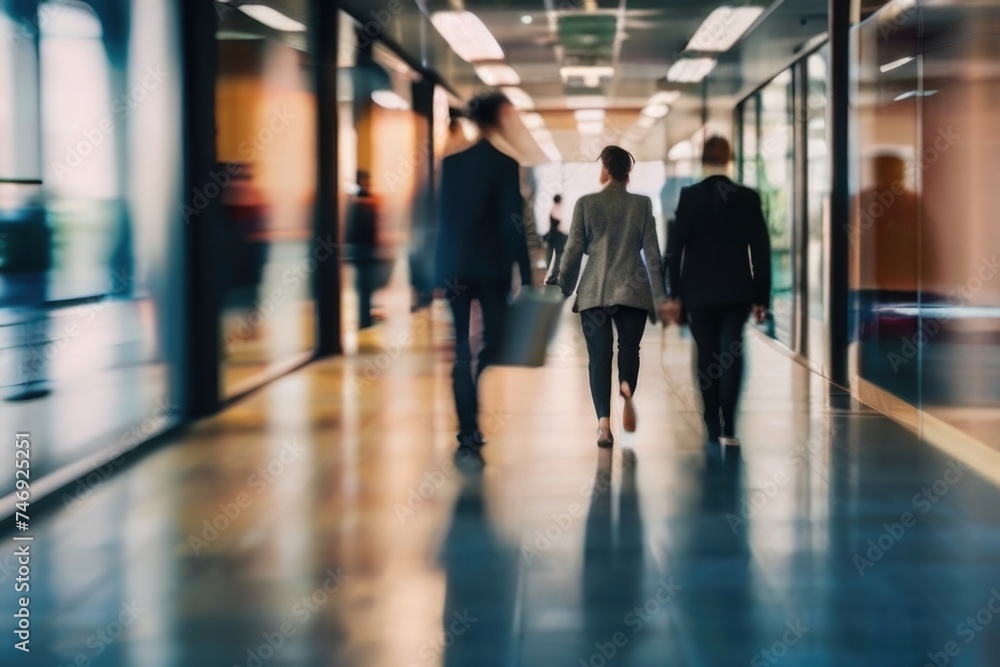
x=91, y=241
x=266, y=173
x=793, y=184
x=924, y=228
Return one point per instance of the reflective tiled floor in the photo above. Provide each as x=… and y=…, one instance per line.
x=323, y=521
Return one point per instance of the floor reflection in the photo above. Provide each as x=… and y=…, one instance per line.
x=613, y=563
x=481, y=586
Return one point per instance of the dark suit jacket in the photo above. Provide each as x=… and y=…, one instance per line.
x=482, y=231
x=708, y=264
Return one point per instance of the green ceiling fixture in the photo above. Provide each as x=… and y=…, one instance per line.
x=587, y=34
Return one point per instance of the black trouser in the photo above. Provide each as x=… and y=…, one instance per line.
x=492, y=298
x=364, y=283
x=718, y=332
x=631, y=324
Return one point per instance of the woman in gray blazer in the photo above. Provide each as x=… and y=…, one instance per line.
x=614, y=228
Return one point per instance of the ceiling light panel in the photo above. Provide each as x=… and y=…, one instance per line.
x=656, y=110
x=518, y=97
x=665, y=97
x=589, y=115
x=532, y=121
x=272, y=18
x=388, y=99
x=723, y=28
x=586, y=101
x=690, y=70
x=591, y=74
x=467, y=36
x=498, y=75
x=590, y=127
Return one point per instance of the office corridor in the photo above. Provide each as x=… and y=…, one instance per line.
x=323, y=521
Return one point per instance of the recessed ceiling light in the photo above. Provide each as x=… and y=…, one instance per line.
x=682, y=150
x=895, y=63
x=498, y=74
x=518, y=97
x=467, y=36
x=272, y=18
x=589, y=114
x=526, y=19
x=690, y=70
x=590, y=127
x=723, y=28
x=591, y=74
x=914, y=93
x=656, y=110
x=586, y=101
x=665, y=97
x=532, y=121
x=388, y=99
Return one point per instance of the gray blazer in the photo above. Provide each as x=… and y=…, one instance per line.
x=611, y=227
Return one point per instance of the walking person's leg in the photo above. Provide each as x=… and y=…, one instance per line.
x=463, y=386
x=597, y=330
x=365, y=269
x=731, y=361
x=631, y=325
x=705, y=324
x=493, y=305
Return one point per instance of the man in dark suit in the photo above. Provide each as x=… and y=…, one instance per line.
x=480, y=239
x=719, y=259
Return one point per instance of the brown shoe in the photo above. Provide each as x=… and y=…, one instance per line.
x=629, y=417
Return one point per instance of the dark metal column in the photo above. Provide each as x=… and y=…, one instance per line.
x=800, y=224
x=326, y=224
x=838, y=250
x=203, y=290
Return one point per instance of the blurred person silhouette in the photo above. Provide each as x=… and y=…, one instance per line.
x=361, y=239
x=555, y=241
x=26, y=254
x=480, y=239
x=719, y=258
x=896, y=261
x=421, y=255
x=615, y=229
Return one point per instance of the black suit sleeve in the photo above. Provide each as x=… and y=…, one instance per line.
x=514, y=221
x=760, y=252
x=677, y=238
